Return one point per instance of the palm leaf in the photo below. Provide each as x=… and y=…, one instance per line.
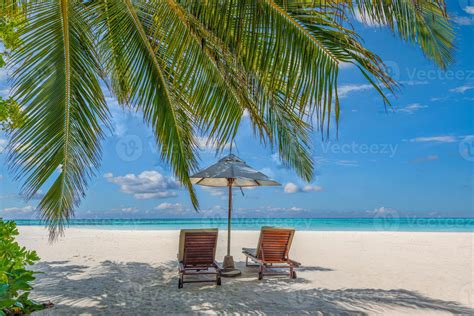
x=422, y=22
x=191, y=67
x=57, y=84
x=192, y=76
x=145, y=87
x=243, y=84
x=285, y=68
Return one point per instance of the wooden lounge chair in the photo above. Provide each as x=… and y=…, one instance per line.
x=196, y=256
x=272, y=252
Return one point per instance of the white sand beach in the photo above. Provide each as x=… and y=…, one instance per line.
x=118, y=272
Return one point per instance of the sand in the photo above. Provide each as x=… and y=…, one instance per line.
x=119, y=272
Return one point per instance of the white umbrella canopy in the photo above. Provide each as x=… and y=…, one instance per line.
x=231, y=171
x=231, y=167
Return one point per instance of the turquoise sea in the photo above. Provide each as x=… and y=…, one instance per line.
x=413, y=224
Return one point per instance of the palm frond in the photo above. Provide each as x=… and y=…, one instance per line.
x=145, y=87
x=191, y=67
x=423, y=22
x=286, y=66
x=56, y=82
x=192, y=76
x=203, y=71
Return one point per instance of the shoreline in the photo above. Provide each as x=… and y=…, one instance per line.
x=376, y=224
x=256, y=230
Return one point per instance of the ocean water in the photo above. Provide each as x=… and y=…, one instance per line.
x=410, y=224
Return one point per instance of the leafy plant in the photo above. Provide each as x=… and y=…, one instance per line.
x=191, y=67
x=11, y=116
x=15, y=278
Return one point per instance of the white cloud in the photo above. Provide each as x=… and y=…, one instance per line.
x=169, y=206
x=414, y=82
x=366, y=20
x=412, y=108
x=462, y=89
x=296, y=209
x=19, y=210
x=345, y=90
x=129, y=209
x=469, y=9
x=276, y=159
x=209, y=144
x=146, y=185
x=214, y=191
x=268, y=172
x=291, y=188
x=383, y=211
x=463, y=20
x=312, y=188
x=434, y=139
x=37, y=196
x=156, y=195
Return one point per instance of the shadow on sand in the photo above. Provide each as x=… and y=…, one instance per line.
x=142, y=289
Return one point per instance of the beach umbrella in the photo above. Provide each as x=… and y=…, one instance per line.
x=230, y=172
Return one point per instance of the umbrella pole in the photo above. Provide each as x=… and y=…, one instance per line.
x=229, y=266
x=229, y=215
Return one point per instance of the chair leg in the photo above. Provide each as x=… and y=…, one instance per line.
x=292, y=272
x=180, y=281
x=218, y=279
x=260, y=272
x=246, y=261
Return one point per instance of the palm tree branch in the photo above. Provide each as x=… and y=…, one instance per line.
x=247, y=87
x=149, y=90
x=56, y=82
x=233, y=74
x=423, y=22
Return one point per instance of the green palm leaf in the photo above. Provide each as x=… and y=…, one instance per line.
x=192, y=76
x=191, y=67
x=57, y=83
x=424, y=22
x=144, y=85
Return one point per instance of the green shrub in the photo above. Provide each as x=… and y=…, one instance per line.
x=15, y=278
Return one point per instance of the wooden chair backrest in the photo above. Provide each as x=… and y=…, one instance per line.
x=274, y=244
x=198, y=246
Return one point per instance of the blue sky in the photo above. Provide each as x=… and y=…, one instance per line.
x=413, y=161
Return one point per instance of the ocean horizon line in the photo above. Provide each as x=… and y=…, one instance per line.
x=412, y=224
